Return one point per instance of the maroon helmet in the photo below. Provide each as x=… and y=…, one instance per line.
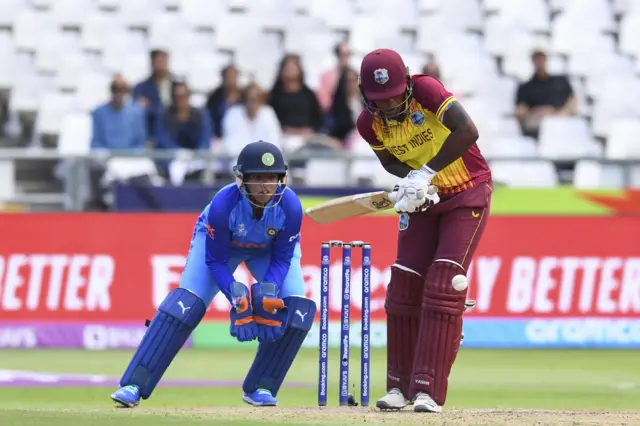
x=383, y=75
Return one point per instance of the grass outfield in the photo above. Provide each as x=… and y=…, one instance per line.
x=487, y=387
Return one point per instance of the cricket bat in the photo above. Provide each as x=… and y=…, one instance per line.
x=349, y=206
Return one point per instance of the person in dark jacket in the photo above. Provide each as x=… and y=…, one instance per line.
x=185, y=128
x=346, y=105
x=223, y=97
x=295, y=104
x=154, y=93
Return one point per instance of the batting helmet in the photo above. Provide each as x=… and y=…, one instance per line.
x=383, y=75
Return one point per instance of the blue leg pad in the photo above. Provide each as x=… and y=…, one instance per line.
x=178, y=315
x=273, y=360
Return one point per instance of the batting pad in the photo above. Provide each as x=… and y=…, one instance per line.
x=273, y=360
x=403, y=307
x=178, y=315
x=440, y=331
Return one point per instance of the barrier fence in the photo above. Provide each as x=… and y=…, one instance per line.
x=90, y=280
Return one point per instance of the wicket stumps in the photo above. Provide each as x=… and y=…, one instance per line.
x=345, y=320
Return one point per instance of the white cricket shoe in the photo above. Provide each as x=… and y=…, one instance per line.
x=393, y=400
x=425, y=404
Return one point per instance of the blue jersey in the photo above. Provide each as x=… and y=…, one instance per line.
x=232, y=231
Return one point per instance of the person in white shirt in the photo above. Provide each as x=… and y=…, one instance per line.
x=251, y=120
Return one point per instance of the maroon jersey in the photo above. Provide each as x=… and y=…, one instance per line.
x=419, y=137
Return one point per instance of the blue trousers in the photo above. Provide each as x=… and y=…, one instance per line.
x=197, y=278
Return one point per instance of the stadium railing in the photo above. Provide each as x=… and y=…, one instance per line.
x=77, y=169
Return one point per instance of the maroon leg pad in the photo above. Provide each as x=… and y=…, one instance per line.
x=402, y=306
x=440, y=332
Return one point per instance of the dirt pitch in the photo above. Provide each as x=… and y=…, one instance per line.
x=449, y=417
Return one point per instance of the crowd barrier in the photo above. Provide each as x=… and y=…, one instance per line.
x=91, y=280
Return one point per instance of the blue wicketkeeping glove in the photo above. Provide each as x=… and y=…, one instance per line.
x=269, y=312
x=242, y=327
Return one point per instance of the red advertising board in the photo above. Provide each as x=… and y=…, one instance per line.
x=119, y=267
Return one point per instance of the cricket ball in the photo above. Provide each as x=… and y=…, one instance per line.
x=459, y=283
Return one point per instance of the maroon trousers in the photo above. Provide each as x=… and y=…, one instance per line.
x=424, y=312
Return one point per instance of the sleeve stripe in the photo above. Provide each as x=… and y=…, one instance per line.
x=443, y=106
x=378, y=147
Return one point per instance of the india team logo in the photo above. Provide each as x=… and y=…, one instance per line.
x=381, y=75
x=268, y=159
x=417, y=118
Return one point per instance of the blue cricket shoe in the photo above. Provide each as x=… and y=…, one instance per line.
x=127, y=396
x=260, y=398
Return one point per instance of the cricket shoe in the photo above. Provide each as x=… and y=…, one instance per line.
x=425, y=404
x=127, y=396
x=393, y=400
x=260, y=398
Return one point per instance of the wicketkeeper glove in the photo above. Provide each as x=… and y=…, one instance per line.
x=242, y=327
x=269, y=311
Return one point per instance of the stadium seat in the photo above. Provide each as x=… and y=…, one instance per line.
x=7, y=180
x=462, y=14
x=203, y=73
x=629, y=33
x=533, y=15
x=92, y=90
x=27, y=91
x=336, y=14
x=164, y=28
x=516, y=147
x=622, y=143
x=589, y=174
x=71, y=13
x=123, y=169
x=9, y=11
x=75, y=134
x=567, y=138
x=74, y=65
x=137, y=13
x=594, y=15
x=531, y=174
x=52, y=50
x=53, y=108
x=326, y=172
x=30, y=27
x=200, y=14
x=120, y=47
x=109, y=4
x=617, y=98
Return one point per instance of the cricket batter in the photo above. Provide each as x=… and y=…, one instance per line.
x=257, y=221
x=421, y=134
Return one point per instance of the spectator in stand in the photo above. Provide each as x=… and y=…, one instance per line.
x=329, y=79
x=432, y=69
x=154, y=93
x=346, y=105
x=187, y=130
x=251, y=120
x=182, y=126
x=117, y=125
x=120, y=123
x=294, y=103
x=543, y=95
x=223, y=97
